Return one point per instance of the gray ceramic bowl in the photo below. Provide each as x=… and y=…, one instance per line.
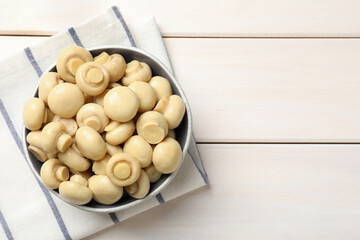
x=183, y=132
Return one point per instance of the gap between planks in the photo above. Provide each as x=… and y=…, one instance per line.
x=195, y=37
x=280, y=143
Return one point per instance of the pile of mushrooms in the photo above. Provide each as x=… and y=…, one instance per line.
x=101, y=126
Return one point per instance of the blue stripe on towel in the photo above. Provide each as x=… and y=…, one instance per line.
x=5, y=226
x=114, y=218
x=49, y=199
x=75, y=37
x=160, y=198
x=203, y=174
x=33, y=62
x=123, y=23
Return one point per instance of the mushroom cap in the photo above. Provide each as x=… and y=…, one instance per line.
x=118, y=133
x=152, y=126
x=69, y=60
x=102, y=58
x=136, y=71
x=54, y=139
x=38, y=153
x=167, y=156
x=53, y=172
x=123, y=169
x=92, y=115
x=47, y=82
x=75, y=192
x=173, y=109
x=161, y=86
x=115, y=64
x=113, y=149
x=153, y=174
x=65, y=99
x=104, y=191
x=137, y=147
x=146, y=95
x=121, y=104
x=140, y=188
x=69, y=123
x=34, y=138
x=99, y=167
x=92, y=78
x=90, y=143
x=74, y=160
x=34, y=114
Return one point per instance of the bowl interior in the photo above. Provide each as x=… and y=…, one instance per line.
x=182, y=132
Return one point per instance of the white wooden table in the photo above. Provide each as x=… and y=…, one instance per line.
x=275, y=93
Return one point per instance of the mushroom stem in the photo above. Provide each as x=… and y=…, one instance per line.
x=62, y=173
x=122, y=170
x=93, y=122
x=64, y=142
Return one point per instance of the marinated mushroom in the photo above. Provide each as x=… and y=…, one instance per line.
x=137, y=147
x=173, y=109
x=146, y=95
x=92, y=115
x=115, y=64
x=92, y=78
x=69, y=123
x=76, y=190
x=54, y=138
x=65, y=99
x=123, y=169
x=118, y=133
x=74, y=160
x=53, y=172
x=34, y=114
x=121, y=104
x=90, y=143
x=152, y=126
x=104, y=191
x=161, y=86
x=167, y=156
x=69, y=60
x=99, y=167
x=136, y=71
x=153, y=174
x=140, y=188
x=33, y=138
x=47, y=82
x=113, y=149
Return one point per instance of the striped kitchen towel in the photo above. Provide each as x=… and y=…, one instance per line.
x=27, y=209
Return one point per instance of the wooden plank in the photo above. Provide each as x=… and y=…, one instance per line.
x=261, y=192
x=231, y=18
x=260, y=90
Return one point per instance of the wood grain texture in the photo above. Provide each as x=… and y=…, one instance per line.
x=228, y=18
x=261, y=192
x=257, y=90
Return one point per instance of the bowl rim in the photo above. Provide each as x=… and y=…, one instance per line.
x=171, y=176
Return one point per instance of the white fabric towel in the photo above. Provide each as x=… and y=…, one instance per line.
x=27, y=209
